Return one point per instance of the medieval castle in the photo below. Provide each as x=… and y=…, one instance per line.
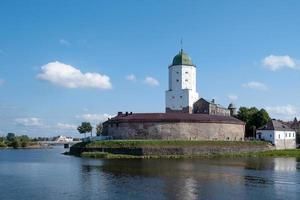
x=186, y=116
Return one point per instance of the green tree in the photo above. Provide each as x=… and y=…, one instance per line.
x=84, y=128
x=24, y=140
x=253, y=118
x=15, y=143
x=10, y=137
x=99, y=129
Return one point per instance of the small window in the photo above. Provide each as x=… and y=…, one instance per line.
x=177, y=80
x=177, y=72
x=186, y=72
x=180, y=97
x=289, y=134
x=293, y=134
x=270, y=135
x=285, y=134
x=186, y=80
x=173, y=97
x=279, y=136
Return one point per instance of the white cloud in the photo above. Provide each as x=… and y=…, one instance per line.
x=65, y=126
x=30, y=121
x=286, y=112
x=2, y=81
x=151, y=81
x=255, y=85
x=64, y=42
x=131, y=77
x=232, y=97
x=274, y=63
x=70, y=77
x=95, y=118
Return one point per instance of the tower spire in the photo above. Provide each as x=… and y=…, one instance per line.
x=181, y=45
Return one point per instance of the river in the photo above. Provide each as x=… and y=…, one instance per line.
x=47, y=174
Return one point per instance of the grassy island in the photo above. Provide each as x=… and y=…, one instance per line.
x=177, y=149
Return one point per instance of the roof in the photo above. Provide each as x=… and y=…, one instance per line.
x=174, y=117
x=182, y=59
x=276, y=126
x=211, y=102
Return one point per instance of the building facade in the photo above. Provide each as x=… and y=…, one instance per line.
x=181, y=94
x=203, y=106
x=278, y=133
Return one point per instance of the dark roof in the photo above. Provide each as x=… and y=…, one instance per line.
x=211, y=102
x=276, y=125
x=174, y=117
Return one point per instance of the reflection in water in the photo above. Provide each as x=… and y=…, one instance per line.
x=285, y=164
x=50, y=175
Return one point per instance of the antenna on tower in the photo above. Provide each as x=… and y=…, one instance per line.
x=181, y=44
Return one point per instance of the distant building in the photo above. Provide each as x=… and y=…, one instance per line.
x=203, y=106
x=278, y=133
x=62, y=138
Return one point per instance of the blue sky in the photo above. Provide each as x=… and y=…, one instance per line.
x=63, y=62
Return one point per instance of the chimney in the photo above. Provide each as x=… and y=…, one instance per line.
x=126, y=113
x=213, y=100
x=120, y=113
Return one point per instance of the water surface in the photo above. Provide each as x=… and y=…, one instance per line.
x=47, y=174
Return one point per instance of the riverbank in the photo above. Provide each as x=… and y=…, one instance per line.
x=169, y=149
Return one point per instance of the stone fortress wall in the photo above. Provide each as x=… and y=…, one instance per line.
x=175, y=130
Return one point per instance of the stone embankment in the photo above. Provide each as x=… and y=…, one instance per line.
x=161, y=148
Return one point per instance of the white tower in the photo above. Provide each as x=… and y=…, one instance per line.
x=182, y=92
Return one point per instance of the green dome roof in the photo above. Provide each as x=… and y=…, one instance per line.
x=182, y=59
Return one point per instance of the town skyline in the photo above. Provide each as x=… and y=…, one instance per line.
x=59, y=69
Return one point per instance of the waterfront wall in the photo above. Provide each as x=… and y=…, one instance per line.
x=188, y=150
x=176, y=130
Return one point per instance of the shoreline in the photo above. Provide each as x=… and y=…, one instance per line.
x=174, y=149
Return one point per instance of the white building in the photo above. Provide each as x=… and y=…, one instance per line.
x=279, y=134
x=182, y=93
x=62, y=139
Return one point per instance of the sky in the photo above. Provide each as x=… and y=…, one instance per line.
x=64, y=62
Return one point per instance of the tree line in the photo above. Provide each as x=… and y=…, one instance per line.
x=12, y=140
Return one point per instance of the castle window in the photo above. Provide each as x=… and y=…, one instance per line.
x=289, y=134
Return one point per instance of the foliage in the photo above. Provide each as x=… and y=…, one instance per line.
x=11, y=140
x=99, y=129
x=84, y=128
x=253, y=118
x=10, y=137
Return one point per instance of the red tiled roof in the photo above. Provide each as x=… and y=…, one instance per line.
x=174, y=117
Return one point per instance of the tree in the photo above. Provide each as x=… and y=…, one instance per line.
x=10, y=137
x=253, y=118
x=84, y=128
x=99, y=129
x=24, y=140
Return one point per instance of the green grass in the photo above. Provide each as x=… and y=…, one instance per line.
x=163, y=143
